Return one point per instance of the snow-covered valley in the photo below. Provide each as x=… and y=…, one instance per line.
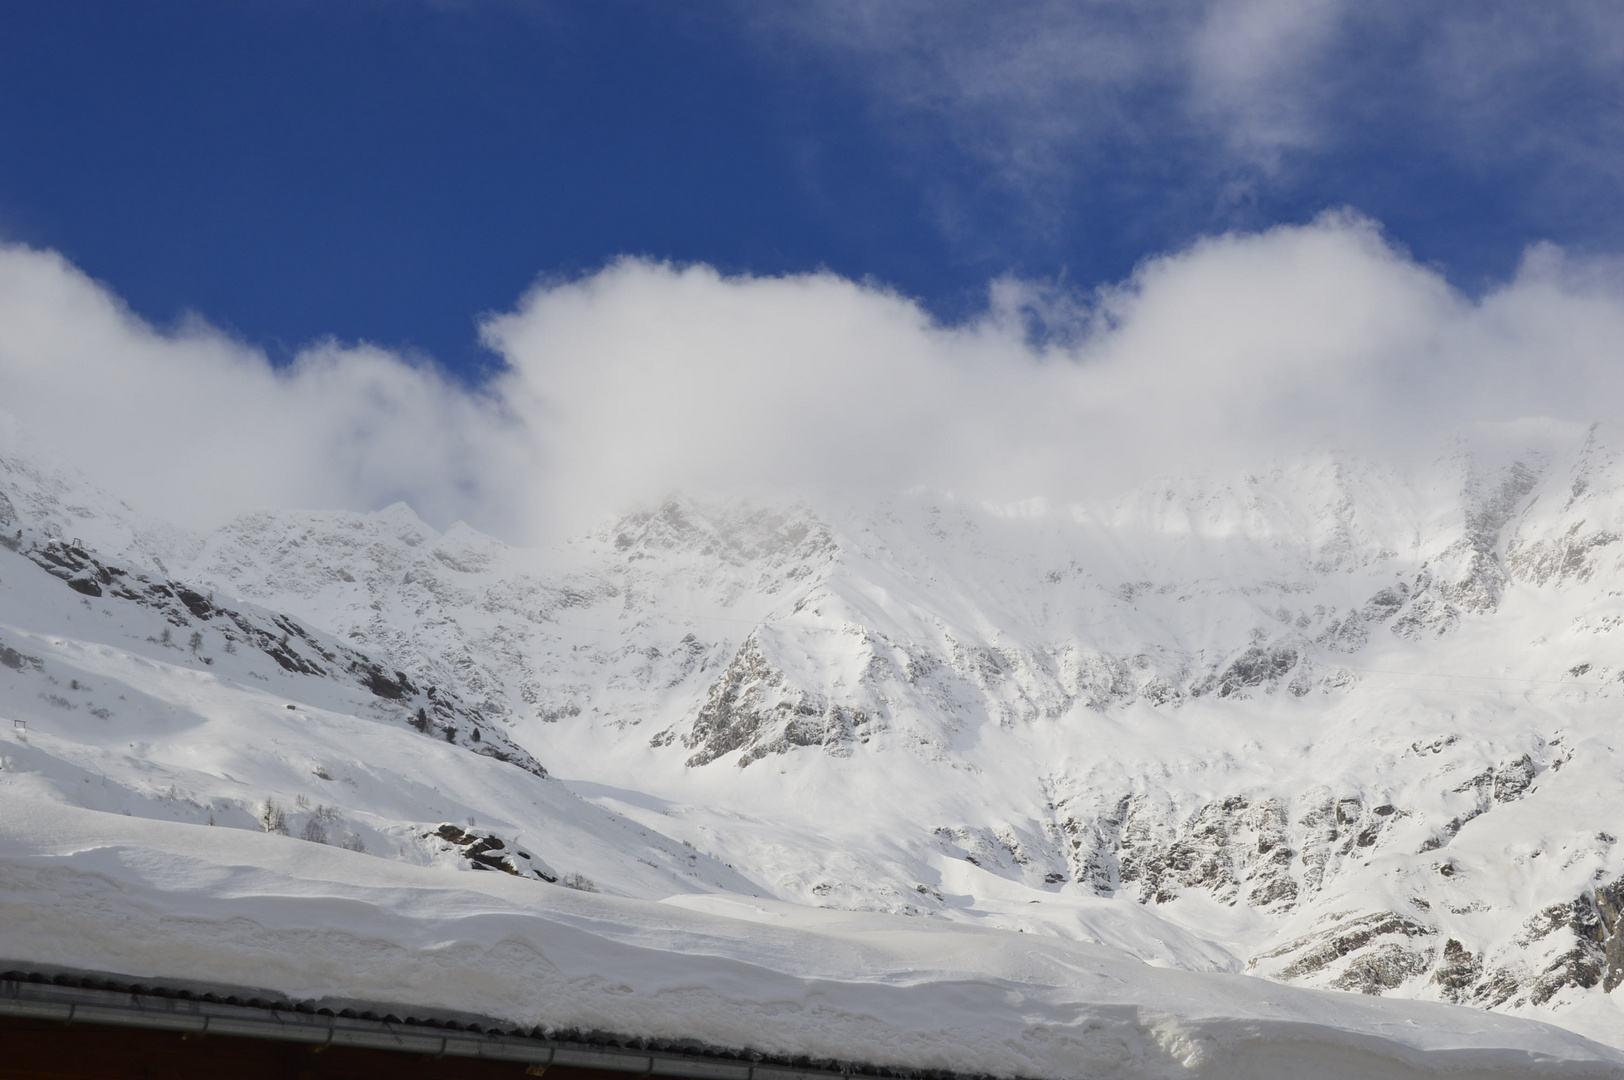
x=1327, y=724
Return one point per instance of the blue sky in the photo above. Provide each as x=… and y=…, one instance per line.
x=389, y=170
x=530, y=263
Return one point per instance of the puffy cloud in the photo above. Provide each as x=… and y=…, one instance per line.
x=198, y=426
x=645, y=378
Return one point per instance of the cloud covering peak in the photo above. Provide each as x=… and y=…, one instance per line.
x=645, y=377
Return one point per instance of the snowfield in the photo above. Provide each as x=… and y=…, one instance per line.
x=1310, y=769
x=109, y=892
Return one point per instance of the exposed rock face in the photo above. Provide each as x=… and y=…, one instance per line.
x=18, y=661
x=1264, y=852
x=1478, y=578
x=488, y=852
x=753, y=707
x=1569, y=557
x=1290, y=857
x=279, y=637
x=1370, y=953
x=1576, y=945
x=1259, y=668
x=1609, y=902
x=1458, y=972
x=1585, y=946
x=1567, y=548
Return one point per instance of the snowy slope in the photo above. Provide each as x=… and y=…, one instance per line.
x=152, y=898
x=1324, y=723
x=111, y=702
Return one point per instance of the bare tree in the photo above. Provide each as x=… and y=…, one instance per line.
x=272, y=818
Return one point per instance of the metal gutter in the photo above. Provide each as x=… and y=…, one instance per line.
x=101, y=998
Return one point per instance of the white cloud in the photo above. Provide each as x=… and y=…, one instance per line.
x=198, y=426
x=1254, y=75
x=645, y=378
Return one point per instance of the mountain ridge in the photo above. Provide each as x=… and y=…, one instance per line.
x=1322, y=722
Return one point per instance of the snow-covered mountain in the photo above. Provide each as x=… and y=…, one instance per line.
x=1327, y=723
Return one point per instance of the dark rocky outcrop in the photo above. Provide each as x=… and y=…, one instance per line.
x=752, y=707
x=489, y=852
x=18, y=661
x=282, y=639
x=1370, y=953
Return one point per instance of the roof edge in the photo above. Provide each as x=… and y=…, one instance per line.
x=32, y=991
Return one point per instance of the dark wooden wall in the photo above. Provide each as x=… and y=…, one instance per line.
x=49, y=1050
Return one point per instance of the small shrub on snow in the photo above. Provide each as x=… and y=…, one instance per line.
x=272, y=818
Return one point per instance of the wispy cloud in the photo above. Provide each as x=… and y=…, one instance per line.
x=1054, y=102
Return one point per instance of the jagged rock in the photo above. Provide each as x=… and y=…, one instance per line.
x=1574, y=945
x=284, y=640
x=1457, y=971
x=1426, y=614
x=1570, y=557
x=489, y=852
x=17, y=661
x=1227, y=848
x=1255, y=667
x=752, y=707
x=1385, y=967
x=1093, y=848
x=1379, y=948
x=1513, y=779
x=1610, y=913
x=1386, y=603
